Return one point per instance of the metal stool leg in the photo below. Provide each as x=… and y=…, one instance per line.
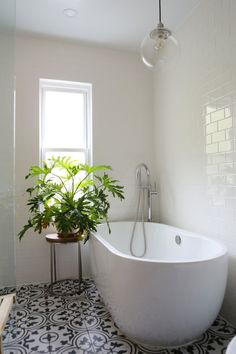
x=51, y=265
x=1, y=345
x=55, y=263
x=79, y=267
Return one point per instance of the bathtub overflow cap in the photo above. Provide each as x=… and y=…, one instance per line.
x=178, y=240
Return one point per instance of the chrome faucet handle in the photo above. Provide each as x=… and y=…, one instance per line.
x=154, y=191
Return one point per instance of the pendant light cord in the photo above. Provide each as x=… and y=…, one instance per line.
x=159, y=11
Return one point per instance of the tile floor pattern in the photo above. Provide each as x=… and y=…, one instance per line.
x=65, y=324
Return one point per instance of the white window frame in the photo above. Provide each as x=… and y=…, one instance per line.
x=67, y=86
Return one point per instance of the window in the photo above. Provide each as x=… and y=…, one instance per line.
x=65, y=118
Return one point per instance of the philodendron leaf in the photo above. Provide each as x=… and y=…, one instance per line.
x=96, y=168
x=25, y=228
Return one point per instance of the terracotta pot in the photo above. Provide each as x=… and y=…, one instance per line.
x=73, y=236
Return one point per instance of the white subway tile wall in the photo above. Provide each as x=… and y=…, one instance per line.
x=219, y=120
x=195, y=131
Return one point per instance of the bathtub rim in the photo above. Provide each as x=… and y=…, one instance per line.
x=223, y=252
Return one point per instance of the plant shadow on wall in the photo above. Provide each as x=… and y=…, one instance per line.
x=70, y=196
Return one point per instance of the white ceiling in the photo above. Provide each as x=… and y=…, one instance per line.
x=112, y=23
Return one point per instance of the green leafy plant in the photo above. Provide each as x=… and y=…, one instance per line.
x=71, y=196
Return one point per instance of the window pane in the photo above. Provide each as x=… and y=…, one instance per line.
x=75, y=155
x=64, y=123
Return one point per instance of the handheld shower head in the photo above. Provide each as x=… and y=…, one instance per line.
x=139, y=175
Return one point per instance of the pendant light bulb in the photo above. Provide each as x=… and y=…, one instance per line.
x=159, y=44
x=154, y=44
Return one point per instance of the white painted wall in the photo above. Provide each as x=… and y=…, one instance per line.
x=7, y=236
x=195, y=130
x=122, y=130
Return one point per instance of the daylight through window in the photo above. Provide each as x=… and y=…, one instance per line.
x=65, y=120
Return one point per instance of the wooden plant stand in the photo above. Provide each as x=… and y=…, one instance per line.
x=54, y=239
x=6, y=302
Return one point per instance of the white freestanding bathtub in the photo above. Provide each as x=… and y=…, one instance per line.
x=171, y=295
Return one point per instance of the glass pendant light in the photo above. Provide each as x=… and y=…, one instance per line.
x=158, y=44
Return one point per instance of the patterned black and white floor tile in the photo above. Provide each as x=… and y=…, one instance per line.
x=42, y=323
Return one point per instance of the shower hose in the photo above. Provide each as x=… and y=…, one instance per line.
x=141, y=200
